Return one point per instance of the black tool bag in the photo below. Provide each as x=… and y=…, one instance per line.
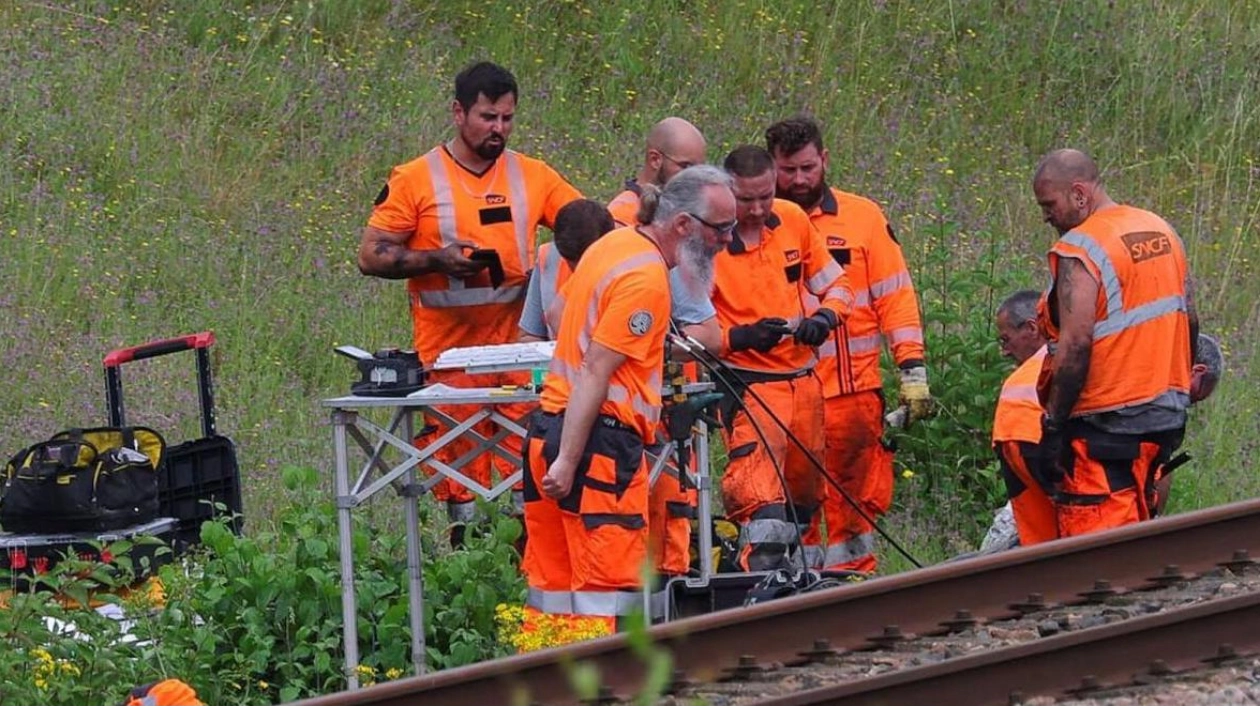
x=83, y=480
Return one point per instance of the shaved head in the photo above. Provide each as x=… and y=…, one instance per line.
x=1066, y=166
x=673, y=144
x=1068, y=189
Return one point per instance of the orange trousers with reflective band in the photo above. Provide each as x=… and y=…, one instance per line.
x=1108, y=479
x=478, y=469
x=857, y=460
x=669, y=522
x=594, y=539
x=751, y=480
x=1036, y=519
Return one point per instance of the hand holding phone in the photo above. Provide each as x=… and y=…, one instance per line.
x=490, y=258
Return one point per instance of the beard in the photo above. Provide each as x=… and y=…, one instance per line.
x=806, y=197
x=695, y=262
x=490, y=149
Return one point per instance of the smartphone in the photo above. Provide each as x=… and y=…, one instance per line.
x=493, y=264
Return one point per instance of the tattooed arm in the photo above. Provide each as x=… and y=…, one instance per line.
x=385, y=254
x=1077, y=297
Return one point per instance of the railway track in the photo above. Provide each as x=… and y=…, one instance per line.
x=1063, y=619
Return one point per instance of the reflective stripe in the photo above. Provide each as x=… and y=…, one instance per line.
x=813, y=555
x=586, y=603
x=1139, y=315
x=828, y=348
x=445, y=202
x=1118, y=319
x=820, y=282
x=767, y=530
x=864, y=344
x=904, y=334
x=890, y=284
x=1020, y=392
x=461, y=511
x=854, y=548
x=617, y=393
x=467, y=297
x=520, y=196
x=548, y=274
x=861, y=298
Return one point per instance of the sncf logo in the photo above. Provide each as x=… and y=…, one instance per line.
x=792, y=255
x=835, y=242
x=496, y=199
x=1144, y=246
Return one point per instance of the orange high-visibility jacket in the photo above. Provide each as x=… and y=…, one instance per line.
x=770, y=279
x=620, y=299
x=1018, y=414
x=439, y=201
x=1141, y=348
x=625, y=206
x=885, y=307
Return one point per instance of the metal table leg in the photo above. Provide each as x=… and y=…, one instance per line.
x=415, y=564
x=341, y=418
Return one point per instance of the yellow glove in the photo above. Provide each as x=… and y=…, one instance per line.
x=914, y=393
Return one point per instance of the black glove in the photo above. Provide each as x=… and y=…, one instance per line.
x=1050, y=450
x=761, y=335
x=815, y=330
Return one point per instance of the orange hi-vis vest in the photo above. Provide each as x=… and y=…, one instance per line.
x=885, y=307
x=553, y=271
x=625, y=206
x=1141, y=347
x=619, y=298
x=770, y=279
x=439, y=202
x=1018, y=414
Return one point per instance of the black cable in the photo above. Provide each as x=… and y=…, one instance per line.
x=714, y=362
x=778, y=470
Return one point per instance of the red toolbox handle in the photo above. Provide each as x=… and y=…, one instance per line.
x=118, y=357
x=201, y=342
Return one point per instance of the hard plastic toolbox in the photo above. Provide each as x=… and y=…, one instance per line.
x=199, y=479
x=27, y=556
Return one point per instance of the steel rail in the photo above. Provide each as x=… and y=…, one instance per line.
x=848, y=617
x=1106, y=656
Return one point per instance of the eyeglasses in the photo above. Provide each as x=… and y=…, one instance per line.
x=682, y=164
x=721, y=228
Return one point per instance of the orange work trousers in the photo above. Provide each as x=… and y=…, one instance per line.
x=859, y=463
x=587, y=550
x=670, y=510
x=460, y=501
x=1035, y=516
x=765, y=468
x=1109, y=480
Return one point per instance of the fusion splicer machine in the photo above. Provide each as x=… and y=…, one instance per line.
x=389, y=372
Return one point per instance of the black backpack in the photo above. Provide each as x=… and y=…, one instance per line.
x=83, y=480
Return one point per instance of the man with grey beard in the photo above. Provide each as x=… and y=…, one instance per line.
x=772, y=485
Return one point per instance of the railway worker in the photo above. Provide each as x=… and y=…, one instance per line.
x=1014, y=337
x=1122, y=325
x=771, y=486
x=579, y=224
x=586, y=495
x=469, y=193
x=1017, y=420
x=886, y=310
x=673, y=144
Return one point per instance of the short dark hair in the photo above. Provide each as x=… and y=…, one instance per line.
x=792, y=135
x=1021, y=306
x=748, y=161
x=580, y=223
x=483, y=77
x=1208, y=353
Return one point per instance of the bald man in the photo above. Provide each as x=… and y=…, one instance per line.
x=672, y=146
x=1122, y=327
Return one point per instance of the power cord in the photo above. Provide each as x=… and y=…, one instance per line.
x=712, y=363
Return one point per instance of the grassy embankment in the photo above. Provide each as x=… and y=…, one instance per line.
x=181, y=166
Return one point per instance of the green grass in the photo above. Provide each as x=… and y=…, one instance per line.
x=171, y=167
